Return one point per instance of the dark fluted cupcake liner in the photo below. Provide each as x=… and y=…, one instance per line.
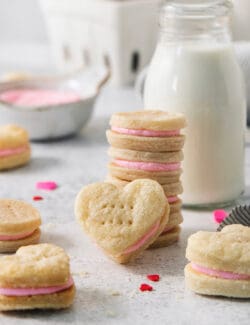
x=239, y=215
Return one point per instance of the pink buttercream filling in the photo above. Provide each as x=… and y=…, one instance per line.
x=147, y=166
x=172, y=199
x=220, y=274
x=35, y=291
x=16, y=236
x=167, y=229
x=38, y=97
x=146, y=133
x=143, y=240
x=14, y=151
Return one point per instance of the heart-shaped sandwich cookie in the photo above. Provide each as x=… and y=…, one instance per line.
x=37, y=276
x=19, y=225
x=220, y=262
x=123, y=221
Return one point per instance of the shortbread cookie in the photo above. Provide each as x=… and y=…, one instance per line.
x=37, y=276
x=152, y=131
x=167, y=238
x=130, y=174
x=153, y=144
x=144, y=156
x=220, y=262
x=14, y=147
x=19, y=225
x=123, y=221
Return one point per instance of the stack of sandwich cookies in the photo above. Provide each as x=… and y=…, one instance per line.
x=148, y=144
x=19, y=225
x=14, y=147
x=219, y=262
x=37, y=276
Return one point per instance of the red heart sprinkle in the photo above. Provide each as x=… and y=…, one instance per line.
x=145, y=287
x=37, y=198
x=153, y=277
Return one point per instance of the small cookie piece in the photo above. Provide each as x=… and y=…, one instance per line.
x=130, y=173
x=19, y=225
x=36, y=277
x=14, y=147
x=167, y=238
x=150, y=131
x=123, y=221
x=220, y=262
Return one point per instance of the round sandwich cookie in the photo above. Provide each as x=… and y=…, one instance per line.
x=143, y=156
x=40, y=278
x=151, y=131
x=167, y=238
x=14, y=147
x=19, y=225
x=219, y=262
x=130, y=171
x=123, y=221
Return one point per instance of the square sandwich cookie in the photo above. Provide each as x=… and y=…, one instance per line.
x=123, y=221
x=220, y=262
x=19, y=225
x=14, y=147
x=36, y=277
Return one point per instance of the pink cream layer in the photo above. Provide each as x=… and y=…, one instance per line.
x=16, y=236
x=15, y=292
x=172, y=199
x=11, y=152
x=147, y=166
x=220, y=274
x=146, y=133
x=167, y=229
x=143, y=240
x=38, y=97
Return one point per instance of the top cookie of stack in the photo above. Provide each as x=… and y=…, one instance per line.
x=146, y=144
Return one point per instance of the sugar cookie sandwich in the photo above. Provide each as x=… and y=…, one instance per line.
x=146, y=144
x=123, y=221
x=36, y=277
x=14, y=147
x=19, y=225
x=220, y=262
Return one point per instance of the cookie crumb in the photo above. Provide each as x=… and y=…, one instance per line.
x=110, y=313
x=81, y=274
x=114, y=293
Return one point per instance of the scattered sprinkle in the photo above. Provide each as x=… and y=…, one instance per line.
x=220, y=215
x=146, y=287
x=49, y=186
x=153, y=277
x=37, y=198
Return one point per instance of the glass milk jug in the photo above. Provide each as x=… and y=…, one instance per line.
x=194, y=71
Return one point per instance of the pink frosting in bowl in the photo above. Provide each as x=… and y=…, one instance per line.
x=38, y=97
x=147, y=166
x=219, y=274
x=15, y=292
x=146, y=133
